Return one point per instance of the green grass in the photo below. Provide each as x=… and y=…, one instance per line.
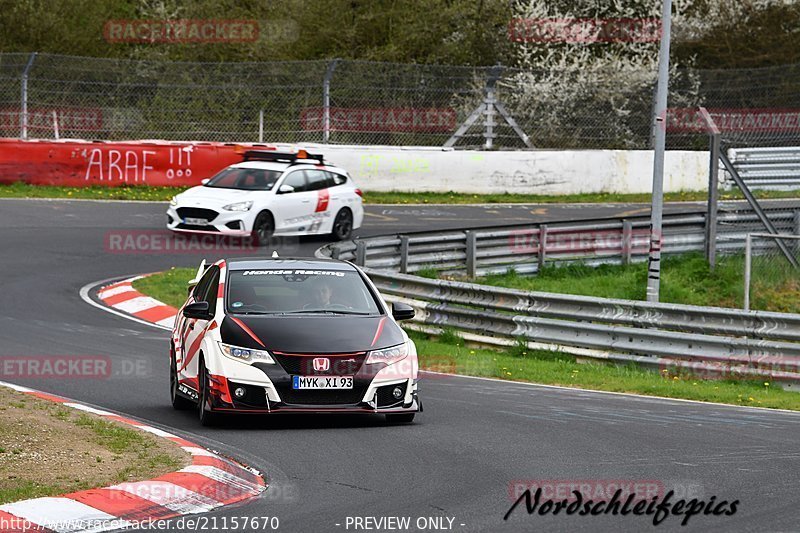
x=169, y=286
x=685, y=279
x=114, y=437
x=125, y=192
x=27, y=489
x=163, y=194
x=552, y=368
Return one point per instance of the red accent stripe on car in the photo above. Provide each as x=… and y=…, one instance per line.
x=195, y=347
x=378, y=331
x=221, y=290
x=248, y=331
x=323, y=197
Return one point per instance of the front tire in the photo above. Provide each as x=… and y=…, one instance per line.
x=263, y=228
x=179, y=403
x=207, y=418
x=400, y=418
x=343, y=225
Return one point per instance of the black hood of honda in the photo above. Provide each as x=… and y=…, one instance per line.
x=311, y=334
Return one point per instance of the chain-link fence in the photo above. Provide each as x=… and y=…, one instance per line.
x=343, y=101
x=771, y=278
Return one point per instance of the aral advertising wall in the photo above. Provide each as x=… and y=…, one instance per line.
x=162, y=163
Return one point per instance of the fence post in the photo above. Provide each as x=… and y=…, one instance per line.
x=261, y=125
x=361, y=253
x=23, y=117
x=489, y=106
x=747, y=258
x=56, y=132
x=326, y=100
x=713, y=201
x=404, y=254
x=471, y=250
x=627, y=241
x=542, y=250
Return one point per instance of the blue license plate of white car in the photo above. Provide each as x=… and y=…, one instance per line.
x=322, y=382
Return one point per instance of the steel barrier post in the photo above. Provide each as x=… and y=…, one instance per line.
x=361, y=253
x=404, y=254
x=627, y=241
x=541, y=251
x=471, y=249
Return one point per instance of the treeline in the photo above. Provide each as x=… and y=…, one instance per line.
x=460, y=32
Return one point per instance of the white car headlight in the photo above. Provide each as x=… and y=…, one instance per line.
x=239, y=206
x=246, y=355
x=388, y=355
x=174, y=201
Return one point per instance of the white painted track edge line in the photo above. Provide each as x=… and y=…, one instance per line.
x=613, y=393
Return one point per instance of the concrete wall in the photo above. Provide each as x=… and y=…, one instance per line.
x=537, y=172
x=375, y=168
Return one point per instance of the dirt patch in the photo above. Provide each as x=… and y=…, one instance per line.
x=47, y=449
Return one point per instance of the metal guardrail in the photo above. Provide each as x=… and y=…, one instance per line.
x=768, y=168
x=705, y=339
x=527, y=248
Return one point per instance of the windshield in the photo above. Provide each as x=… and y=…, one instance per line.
x=248, y=179
x=299, y=291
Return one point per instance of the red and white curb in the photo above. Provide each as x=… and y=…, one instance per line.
x=211, y=481
x=122, y=297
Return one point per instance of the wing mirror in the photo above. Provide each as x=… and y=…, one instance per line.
x=204, y=181
x=401, y=311
x=198, y=310
x=284, y=189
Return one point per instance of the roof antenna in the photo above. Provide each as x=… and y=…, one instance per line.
x=274, y=254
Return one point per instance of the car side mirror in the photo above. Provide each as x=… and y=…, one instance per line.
x=204, y=181
x=402, y=311
x=197, y=310
x=284, y=189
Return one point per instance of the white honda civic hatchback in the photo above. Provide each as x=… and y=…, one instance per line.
x=270, y=193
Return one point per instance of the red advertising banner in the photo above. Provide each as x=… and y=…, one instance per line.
x=81, y=163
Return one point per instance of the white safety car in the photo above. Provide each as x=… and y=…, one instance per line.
x=280, y=193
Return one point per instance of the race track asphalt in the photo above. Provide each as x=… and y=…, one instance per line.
x=474, y=440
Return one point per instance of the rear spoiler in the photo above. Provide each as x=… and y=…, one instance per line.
x=200, y=271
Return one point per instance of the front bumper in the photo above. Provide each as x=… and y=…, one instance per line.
x=215, y=221
x=267, y=388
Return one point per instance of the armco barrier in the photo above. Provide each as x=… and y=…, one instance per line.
x=80, y=163
x=709, y=341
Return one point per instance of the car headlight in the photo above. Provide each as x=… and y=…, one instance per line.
x=239, y=206
x=174, y=201
x=246, y=355
x=388, y=355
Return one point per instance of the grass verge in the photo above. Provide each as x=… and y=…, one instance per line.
x=449, y=353
x=163, y=194
x=685, y=279
x=47, y=449
x=169, y=286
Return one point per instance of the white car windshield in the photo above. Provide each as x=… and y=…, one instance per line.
x=299, y=291
x=247, y=179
